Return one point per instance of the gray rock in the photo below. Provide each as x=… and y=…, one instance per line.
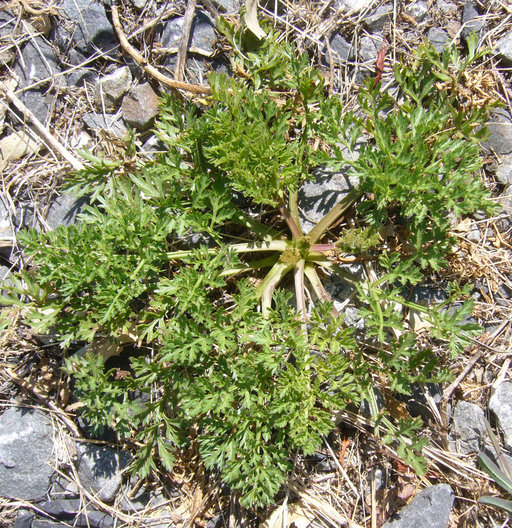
x=94, y=519
x=500, y=133
x=501, y=405
x=110, y=89
x=46, y=523
x=474, y=234
x=38, y=103
x=143, y=499
x=504, y=48
x=63, y=509
x=317, y=197
x=417, y=402
x=8, y=25
x=430, y=508
x=24, y=520
x=468, y=433
x=504, y=171
x=369, y=49
x=446, y=8
x=378, y=18
x=80, y=74
x=140, y=106
x=100, y=470
x=26, y=446
x=341, y=50
x=353, y=6
x=504, y=221
x=471, y=20
x=64, y=210
x=105, y=122
x=202, y=34
x=37, y=63
x=418, y=10
x=426, y=295
x=228, y=6
x=139, y=4
x=86, y=27
x=6, y=232
x=62, y=488
x=438, y=38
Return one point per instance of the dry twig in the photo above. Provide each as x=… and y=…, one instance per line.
x=151, y=70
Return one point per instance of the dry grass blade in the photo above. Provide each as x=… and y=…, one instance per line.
x=185, y=38
x=51, y=142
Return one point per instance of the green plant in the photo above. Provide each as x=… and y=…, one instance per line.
x=501, y=474
x=229, y=365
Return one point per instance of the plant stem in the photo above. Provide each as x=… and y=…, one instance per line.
x=267, y=287
x=267, y=233
x=294, y=207
x=294, y=228
x=249, y=247
x=333, y=215
x=318, y=287
x=336, y=270
x=298, y=277
x=255, y=264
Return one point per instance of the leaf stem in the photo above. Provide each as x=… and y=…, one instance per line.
x=249, y=247
x=293, y=202
x=267, y=287
x=318, y=287
x=255, y=264
x=295, y=230
x=333, y=215
x=268, y=233
x=298, y=278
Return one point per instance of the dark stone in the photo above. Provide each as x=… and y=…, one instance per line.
x=86, y=27
x=37, y=63
x=501, y=406
x=379, y=17
x=471, y=20
x=468, y=431
x=94, y=519
x=110, y=123
x=80, y=75
x=202, y=33
x=26, y=447
x=8, y=27
x=23, y=520
x=430, y=508
x=63, y=509
x=140, y=106
x=417, y=403
x=341, y=50
x=64, y=210
x=100, y=469
x=426, y=295
x=500, y=133
x=438, y=38
x=504, y=48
